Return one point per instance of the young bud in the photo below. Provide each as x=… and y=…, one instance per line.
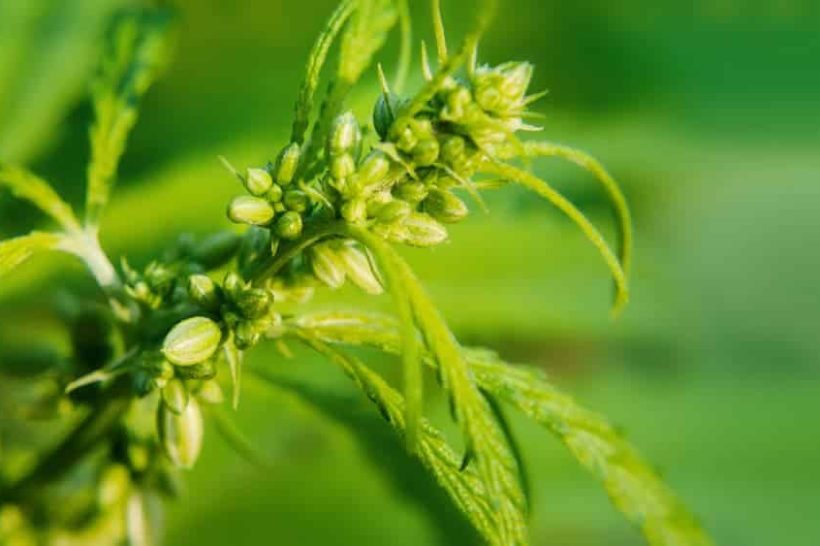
x=422, y=230
x=374, y=168
x=289, y=225
x=342, y=166
x=258, y=181
x=327, y=265
x=203, y=291
x=192, y=341
x=355, y=210
x=384, y=113
x=175, y=396
x=394, y=211
x=444, y=206
x=233, y=284
x=181, y=434
x=412, y=192
x=402, y=133
x=344, y=135
x=210, y=392
x=296, y=200
x=275, y=193
x=254, y=211
x=254, y=303
x=359, y=269
x=287, y=163
x=426, y=152
x=247, y=334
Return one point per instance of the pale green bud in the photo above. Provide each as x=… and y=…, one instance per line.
x=326, y=265
x=203, y=291
x=402, y=133
x=355, y=210
x=359, y=269
x=175, y=396
x=181, y=434
x=192, y=341
x=394, y=211
x=258, y=181
x=416, y=230
x=296, y=200
x=456, y=104
x=254, y=211
x=342, y=166
x=275, y=193
x=374, y=168
x=247, y=334
x=426, y=152
x=344, y=135
x=412, y=192
x=289, y=225
x=254, y=303
x=287, y=163
x=445, y=207
x=210, y=392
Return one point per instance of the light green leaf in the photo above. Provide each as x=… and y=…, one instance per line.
x=139, y=48
x=365, y=35
x=34, y=189
x=487, y=446
x=465, y=487
x=14, y=252
x=633, y=486
x=535, y=184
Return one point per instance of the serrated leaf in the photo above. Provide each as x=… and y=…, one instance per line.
x=32, y=188
x=14, y=252
x=138, y=49
x=633, y=486
x=465, y=487
x=486, y=444
x=365, y=35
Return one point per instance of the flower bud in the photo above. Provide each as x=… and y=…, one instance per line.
x=344, y=135
x=456, y=104
x=296, y=200
x=355, y=210
x=203, y=291
x=215, y=250
x=181, y=434
x=342, y=166
x=358, y=268
x=289, y=225
x=275, y=193
x=416, y=230
x=412, y=192
x=374, y=168
x=210, y=392
x=258, y=181
x=254, y=303
x=326, y=265
x=426, y=152
x=192, y=341
x=393, y=211
x=402, y=133
x=444, y=206
x=287, y=163
x=247, y=334
x=175, y=396
x=250, y=210
x=233, y=284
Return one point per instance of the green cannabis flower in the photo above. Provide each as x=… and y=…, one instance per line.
x=328, y=209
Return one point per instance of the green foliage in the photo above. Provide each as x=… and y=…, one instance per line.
x=138, y=50
x=14, y=252
x=28, y=186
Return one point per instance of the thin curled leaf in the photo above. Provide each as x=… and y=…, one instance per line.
x=237, y=440
x=633, y=486
x=585, y=161
x=465, y=487
x=546, y=191
x=486, y=443
x=316, y=60
x=138, y=50
x=14, y=252
x=32, y=188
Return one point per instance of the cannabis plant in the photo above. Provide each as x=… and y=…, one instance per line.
x=331, y=207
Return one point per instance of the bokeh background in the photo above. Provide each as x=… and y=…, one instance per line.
x=706, y=111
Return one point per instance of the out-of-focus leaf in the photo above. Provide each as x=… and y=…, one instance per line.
x=30, y=187
x=14, y=252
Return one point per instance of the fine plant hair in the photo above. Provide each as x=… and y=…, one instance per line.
x=330, y=208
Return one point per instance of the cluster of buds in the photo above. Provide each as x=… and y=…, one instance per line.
x=273, y=199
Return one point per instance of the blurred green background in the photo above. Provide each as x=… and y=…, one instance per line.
x=707, y=112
